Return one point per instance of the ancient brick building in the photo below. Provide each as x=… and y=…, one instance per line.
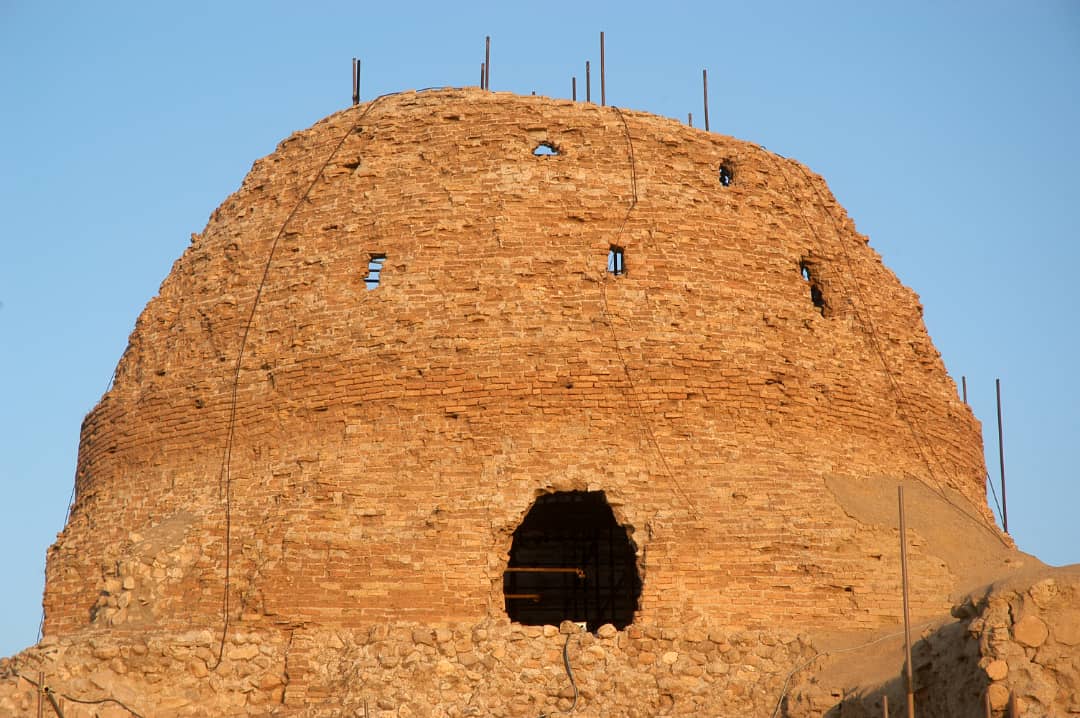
x=454, y=368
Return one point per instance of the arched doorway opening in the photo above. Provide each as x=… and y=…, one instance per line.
x=570, y=560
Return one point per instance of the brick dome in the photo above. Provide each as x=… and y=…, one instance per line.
x=436, y=325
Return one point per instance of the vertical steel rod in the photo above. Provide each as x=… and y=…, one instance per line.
x=963, y=385
x=482, y=76
x=487, y=62
x=884, y=707
x=1011, y=710
x=908, y=680
x=690, y=118
x=355, y=81
x=705, y=87
x=1001, y=459
x=603, y=85
x=588, y=83
x=573, y=88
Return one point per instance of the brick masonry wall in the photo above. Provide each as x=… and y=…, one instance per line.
x=387, y=443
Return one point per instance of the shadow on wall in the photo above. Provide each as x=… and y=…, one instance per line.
x=947, y=677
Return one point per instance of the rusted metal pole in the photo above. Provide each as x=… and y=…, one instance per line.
x=481, y=76
x=588, y=83
x=57, y=706
x=1001, y=459
x=705, y=88
x=988, y=709
x=355, y=81
x=487, y=62
x=1011, y=710
x=579, y=572
x=909, y=682
x=963, y=387
x=603, y=85
x=573, y=89
x=690, y=118
x=884, y=707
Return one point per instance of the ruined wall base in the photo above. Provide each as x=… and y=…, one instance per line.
x=1028, y=634
x=1018, y=639
x=1015, y=641
x=402, y=669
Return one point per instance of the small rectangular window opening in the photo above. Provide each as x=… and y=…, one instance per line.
x=374, y=266
x=816, y=297
x=616, y=262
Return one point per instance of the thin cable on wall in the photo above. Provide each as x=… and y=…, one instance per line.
x=833, y=652
x=225, y=477
x=615, y=338
x=50, y=694
x=570, y=675
x=994, y=492
x=921, y=442
x=633, y=162
x=871, y=333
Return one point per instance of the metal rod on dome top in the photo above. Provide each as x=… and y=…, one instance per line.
x=588, y=83
x=705, y=88
x=355, y=81
x=481, y=76
x=908, y=680
x=573, y=89
x=1001, y=460
x=487, y=62
x=690, y=118
x=963, y=387
x=603, y=84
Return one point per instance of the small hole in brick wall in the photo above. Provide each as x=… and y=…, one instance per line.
x=374, y=275
x=546, y=149
x=727, y=175
x=571, y=561
x=616, y=260
x=816, y=297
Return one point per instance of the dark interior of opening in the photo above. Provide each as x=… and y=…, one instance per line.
x=726, y=175
x=816, y=296
x=570, y=560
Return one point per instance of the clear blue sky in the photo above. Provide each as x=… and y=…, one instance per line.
x=950, y=132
